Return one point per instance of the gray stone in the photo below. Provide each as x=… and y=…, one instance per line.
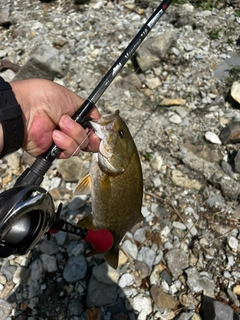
x=49, y=263
x=95, y=296
x=76, y=203
x=233, y=243
x=183, y=16
x=216, y=310
x=227, y=168
x=154, y=49
x=200, y=282
x=5, y=18
x=214, y=201
x=211, y=172
x=130, y=248
x=106, y=274
x=49, y=247
x=177, y=261
x=43, y=63
x=75, y=307
x=147, y=255
x=140, y=235
x=75, y=269
x=130, y=83
x=5, y=309
x=237, y=162
x=142, y=269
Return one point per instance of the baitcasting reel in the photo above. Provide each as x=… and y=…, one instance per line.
x=27, y=214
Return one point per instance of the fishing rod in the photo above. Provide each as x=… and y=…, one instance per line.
x=27, y=210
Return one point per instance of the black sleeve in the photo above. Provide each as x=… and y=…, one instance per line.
x=11, y=119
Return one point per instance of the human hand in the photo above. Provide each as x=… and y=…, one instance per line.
x=47, y=109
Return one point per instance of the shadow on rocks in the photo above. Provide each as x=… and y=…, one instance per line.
x=57, y=282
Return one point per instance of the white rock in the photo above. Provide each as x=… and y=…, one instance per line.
x=235, y=91
x=146, y=255
x=175, y=118
x=212, y=137
x=125, y=280
x=55, y=182
x=179, y=225
x=145, y=212
x=153, y=83
x=130, y=249
x=157, y=163
x=36, y=268
x=143, y=305
x=233, y=243
x=49, y=263
x=140, y=235
x=165, y=232
x=3, y=53
x=156, y=181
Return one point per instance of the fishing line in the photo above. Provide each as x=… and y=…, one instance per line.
x=79, y=146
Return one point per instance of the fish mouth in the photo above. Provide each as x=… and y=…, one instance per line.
x=102, y=128
x=100, y=132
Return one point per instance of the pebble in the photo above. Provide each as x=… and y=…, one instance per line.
x=49, y=247
x=130, y=249
x=143, y=305
x=156, y=163
x=146, y=255
x=140, y=235
x=125, y=280
x=233, y=243
x=105, y=273
x=162, y=299
x=177, y=261
x=198, y=282
x=212, y=137
x=235, y=89
x=175, y=118
x=75, y=269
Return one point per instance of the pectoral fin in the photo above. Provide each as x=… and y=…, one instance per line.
x=84, y=186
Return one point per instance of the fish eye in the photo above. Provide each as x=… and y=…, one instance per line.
x=121, y=133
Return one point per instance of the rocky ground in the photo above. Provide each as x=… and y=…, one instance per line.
x=180, y=97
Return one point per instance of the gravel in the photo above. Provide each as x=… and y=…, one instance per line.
x=179, y=98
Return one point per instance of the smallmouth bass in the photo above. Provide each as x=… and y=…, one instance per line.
x=115, y=183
